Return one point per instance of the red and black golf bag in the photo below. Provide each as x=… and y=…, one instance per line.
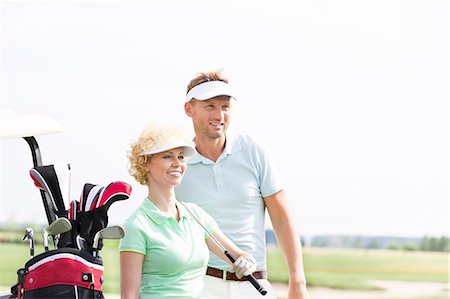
x=73, y=269
x=60, y=273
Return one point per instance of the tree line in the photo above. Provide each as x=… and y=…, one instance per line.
x=426, y=243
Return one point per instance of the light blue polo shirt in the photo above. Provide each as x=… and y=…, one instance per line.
x=231, y=190
x=176, y=253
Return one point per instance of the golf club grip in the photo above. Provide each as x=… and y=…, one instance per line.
x=250, y=277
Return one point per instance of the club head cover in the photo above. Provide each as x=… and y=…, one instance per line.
x=74, y=207
x=84, y=223
x=115, y=191
x=84, y=194
x=99, y=221
x=68, y=239
x=47, y=178
x=93, y=198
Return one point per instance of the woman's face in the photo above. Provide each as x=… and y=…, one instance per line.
x=166, y=168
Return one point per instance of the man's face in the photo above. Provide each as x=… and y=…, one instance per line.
x=210, y=117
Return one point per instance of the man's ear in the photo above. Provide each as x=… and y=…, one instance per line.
x=188, y=108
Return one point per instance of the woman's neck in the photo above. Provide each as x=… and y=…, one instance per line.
x=164, y=200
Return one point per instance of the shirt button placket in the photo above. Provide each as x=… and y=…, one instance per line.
x=218, y=177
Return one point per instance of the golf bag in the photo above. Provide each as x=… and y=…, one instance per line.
x=60, y=273
x=73, y=269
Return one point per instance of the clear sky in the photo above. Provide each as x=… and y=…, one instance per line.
x=351, y=97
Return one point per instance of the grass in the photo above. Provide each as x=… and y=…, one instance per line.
x=350, y=269
x=335, y=268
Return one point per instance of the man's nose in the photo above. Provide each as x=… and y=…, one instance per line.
x=218, y=113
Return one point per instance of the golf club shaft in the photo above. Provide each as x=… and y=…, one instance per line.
x=32, y=248
x=45, y=235
x=250, y=277
x=29, y=235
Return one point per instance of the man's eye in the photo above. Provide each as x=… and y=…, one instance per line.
x=226, y=107
x=167, y=156
x=181, y=157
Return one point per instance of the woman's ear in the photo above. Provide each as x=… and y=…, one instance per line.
x=146, y=164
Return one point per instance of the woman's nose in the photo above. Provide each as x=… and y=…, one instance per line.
x=176, y=161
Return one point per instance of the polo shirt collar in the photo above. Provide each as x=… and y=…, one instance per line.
x=232, y=145
x=159, y=217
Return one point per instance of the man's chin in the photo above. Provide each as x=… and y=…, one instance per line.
x=216, y=135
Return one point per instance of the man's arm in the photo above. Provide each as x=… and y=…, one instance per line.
x=289, y=243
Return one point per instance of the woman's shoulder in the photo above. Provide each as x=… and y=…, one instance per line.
x=137, y=218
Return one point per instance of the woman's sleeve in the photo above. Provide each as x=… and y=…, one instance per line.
x=135, y=238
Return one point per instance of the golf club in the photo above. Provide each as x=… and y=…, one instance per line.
x=110, y=232
x=29, y=236
x=73, y=210
x=59, y=226
x=250, y=277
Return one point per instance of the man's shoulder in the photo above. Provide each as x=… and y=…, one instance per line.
x=245, y=138
x=248, y=141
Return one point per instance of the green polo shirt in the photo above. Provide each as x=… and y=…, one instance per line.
x=176, y=253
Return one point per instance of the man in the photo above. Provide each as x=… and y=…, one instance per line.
x=233, y=179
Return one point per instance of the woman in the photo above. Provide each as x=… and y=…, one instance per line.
x=164, y=253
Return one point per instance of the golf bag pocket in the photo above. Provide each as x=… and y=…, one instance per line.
x=61, y=273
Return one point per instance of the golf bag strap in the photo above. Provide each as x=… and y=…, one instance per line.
x=17, y=289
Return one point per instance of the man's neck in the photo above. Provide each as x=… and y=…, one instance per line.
x=210, y=148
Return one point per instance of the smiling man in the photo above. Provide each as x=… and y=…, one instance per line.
x=233, y=179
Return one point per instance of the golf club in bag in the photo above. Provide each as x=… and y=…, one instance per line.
x=29, y=236
x=54, y=180
x=92, y=216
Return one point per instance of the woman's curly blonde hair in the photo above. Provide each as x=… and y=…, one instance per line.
x=153, y=135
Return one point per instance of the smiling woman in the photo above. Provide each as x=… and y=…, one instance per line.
x=165, y=249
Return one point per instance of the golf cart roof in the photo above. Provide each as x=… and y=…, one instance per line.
x=14, y=125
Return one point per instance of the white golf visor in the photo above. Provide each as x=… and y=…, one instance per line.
x=208, y=90
x=187, y=149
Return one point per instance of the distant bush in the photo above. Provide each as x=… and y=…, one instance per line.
x=410, y=247
x=441, y=244
x=393, y=246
